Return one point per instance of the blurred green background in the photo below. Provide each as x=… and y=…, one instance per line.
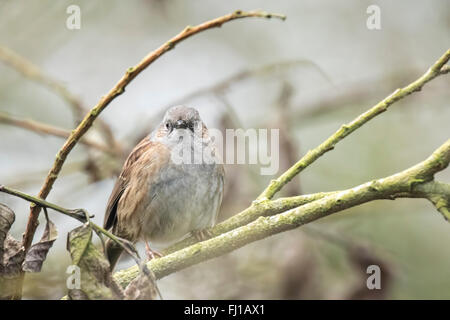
x=325, y=68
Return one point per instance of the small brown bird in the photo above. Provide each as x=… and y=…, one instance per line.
x=159, y=198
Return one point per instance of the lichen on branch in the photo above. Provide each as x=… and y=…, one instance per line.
x=403, y=184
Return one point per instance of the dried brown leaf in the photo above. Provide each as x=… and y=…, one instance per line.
x=96, y=279
x=12, y=255
x=7, y=218
x=35, y=257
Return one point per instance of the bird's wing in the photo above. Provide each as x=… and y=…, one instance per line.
x=123, y=180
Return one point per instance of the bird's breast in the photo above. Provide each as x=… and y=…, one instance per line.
x=183, y=198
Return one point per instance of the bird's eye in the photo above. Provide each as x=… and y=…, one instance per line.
x=169, y=126
x=191, y=126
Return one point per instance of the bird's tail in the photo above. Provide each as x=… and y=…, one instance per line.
x=113, y=252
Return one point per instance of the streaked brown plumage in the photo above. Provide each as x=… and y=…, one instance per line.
x=155, y=199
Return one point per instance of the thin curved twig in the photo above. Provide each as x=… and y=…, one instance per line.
x=117, y=90
x=34, y=73
x=38, y=127
x=78, y=214
x=345, y=130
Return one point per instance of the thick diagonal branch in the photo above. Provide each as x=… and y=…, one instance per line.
x=263, y=207
x=414, y=182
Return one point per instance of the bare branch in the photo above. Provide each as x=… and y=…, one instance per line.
x=261, y=220
x=263, y=207
x=414, y=182
x=54, y=131
x=218, y=89
x=78, y=214
x=347, y=129
x=221, y=86
x=32, y=72
x=117, y=90
x=268, y=217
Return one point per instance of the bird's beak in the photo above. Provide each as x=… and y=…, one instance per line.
x=181, y=124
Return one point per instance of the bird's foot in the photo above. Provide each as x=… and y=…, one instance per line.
x=202, y=234
x=151, y=254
